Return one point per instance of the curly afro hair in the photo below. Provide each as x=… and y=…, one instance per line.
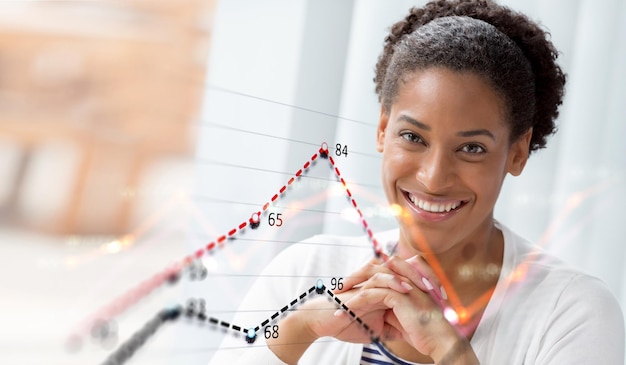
x=505, y=47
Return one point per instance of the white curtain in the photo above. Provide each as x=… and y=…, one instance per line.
x=571, y=195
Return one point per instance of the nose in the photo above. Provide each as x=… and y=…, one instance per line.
x=436, y=170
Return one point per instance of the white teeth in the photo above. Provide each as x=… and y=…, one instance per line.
x=433, y=207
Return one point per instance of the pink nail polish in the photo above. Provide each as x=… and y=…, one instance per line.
x=406, y=285
x=413, y=261
x=427, y=282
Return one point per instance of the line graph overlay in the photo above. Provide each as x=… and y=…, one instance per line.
x=171, y=274
x=126, y=350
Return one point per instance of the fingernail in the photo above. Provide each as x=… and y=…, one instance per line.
x=413, y=259
x=338, y=313
x=406, y=285
x=414, y=262
x=444, y=295
x=426, y=282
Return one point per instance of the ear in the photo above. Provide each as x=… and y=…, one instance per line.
x=518, y=153
x=383, y=121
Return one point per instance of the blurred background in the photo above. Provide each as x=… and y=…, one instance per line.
x=98, y=102
x=133, y=133
x=94, y=94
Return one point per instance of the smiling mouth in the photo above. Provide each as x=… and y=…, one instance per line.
x=434, y=207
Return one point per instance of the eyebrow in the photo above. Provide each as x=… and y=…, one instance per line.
x=470, y=133
x=416, y=123
x=477, y=132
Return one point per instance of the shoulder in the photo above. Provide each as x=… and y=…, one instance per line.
x=547, y=276
x=586, y=320
x=566, y=311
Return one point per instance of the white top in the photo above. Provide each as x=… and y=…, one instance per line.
x=541, y=312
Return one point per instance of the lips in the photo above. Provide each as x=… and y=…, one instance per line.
x=434, y=207
x=439, y=206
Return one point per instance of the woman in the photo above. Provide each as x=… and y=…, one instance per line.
x=468, y=89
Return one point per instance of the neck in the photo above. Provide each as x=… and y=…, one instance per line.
x=469, y=271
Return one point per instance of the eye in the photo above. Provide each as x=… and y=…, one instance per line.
x=473, y=148
x=412, y=137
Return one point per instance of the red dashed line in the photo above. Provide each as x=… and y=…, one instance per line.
x=299, y=173
x=377, y=249
x=121, y=303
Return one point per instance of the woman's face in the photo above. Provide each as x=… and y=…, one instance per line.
x=446, y=151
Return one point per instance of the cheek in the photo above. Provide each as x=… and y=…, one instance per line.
x=387, y=173
x=395, y=163
x=485, y=180
x=394, y=166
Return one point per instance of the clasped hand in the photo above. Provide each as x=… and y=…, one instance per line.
x=398, y=300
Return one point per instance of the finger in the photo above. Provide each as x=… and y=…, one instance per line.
x=417, y=271
x=390, y=333
x=397, y=332
x=361, y=275
x=387, y=280
x=420, y=265
x=372, y=300
x=392, y=319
